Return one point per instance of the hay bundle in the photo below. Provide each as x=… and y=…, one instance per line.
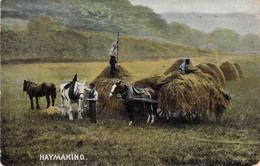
x=239, y=70
x=207, y=70
x=176, y=66
x=229, y=70
x=218, y=72
x=193, y=96
x=52, y=111
x=103, y=85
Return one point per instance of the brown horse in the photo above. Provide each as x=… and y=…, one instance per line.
x=135, y=99
x=44, y=89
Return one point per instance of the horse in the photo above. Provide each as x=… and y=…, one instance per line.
x=134, y=98
x=73, y=94
x=44, y=89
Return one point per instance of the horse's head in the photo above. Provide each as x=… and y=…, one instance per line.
x=79, y=89
x=116, y=88
x=25, y=84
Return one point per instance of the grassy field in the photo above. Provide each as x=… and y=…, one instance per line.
x=28, y=133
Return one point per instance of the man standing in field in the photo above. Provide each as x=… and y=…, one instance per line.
x=92, y=99
x=184, y=67
x=113, y=61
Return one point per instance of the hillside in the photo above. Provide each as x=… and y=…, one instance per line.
x=105, y=16
x=46, y=40
x=98, y=15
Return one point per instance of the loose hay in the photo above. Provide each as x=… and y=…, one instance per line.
x=239, y=70
x=229, y=70
x=193, y=96
x=176, y=66
x=52, y=111
x=103, y=85
x=218, y=72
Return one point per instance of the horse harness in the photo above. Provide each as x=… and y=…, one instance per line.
x=71, y=93
x=130, y=97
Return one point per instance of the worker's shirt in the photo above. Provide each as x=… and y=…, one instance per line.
x=92, y=94
x=112, y=51
x=184, y=66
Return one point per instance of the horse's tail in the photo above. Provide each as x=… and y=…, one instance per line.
x=54, y=92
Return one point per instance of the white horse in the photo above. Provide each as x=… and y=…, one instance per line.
x=78, y=92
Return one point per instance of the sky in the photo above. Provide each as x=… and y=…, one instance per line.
x=201, y=6
x=241, y=16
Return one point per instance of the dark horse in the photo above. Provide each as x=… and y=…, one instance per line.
x=136, y=99
x=35, y=90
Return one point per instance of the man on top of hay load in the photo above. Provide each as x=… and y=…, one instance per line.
x=184, y=67
x=113, y=61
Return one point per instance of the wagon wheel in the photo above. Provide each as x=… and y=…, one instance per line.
x=164, y=114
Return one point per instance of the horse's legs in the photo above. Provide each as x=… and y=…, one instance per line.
x=70, y=110
x=48, y=101
x=149, y=117
x=152, y=112
x=130, y=115
x=53, y=100
x=37, y=103
x=155, y=107
x=146, y=107
x=79, y=110
x=62, y=106
x=31, y=99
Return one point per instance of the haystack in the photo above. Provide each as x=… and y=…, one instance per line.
x=239, y=70
x=193, y=96
x=218, y=72
x=207, y=70
x=229, y=70
x=103, y=85
x=176, y=66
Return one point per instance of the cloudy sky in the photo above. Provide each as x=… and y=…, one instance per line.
x=242, y=16
x=201, y=6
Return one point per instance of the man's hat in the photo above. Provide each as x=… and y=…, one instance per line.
x=92, y=84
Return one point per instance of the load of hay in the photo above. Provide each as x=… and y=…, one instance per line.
x=176, y=66
x=230, y=71
x=239, y=70
x=103, y=84
x=193, y=96
x=157, y=81
x=189, y=97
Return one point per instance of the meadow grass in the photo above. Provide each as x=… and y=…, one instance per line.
x=26, y=134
